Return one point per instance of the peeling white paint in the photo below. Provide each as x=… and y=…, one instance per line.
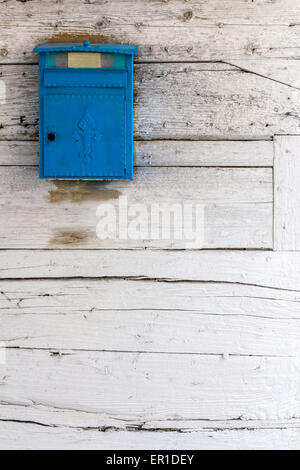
x=2, y=353
x=2, y=92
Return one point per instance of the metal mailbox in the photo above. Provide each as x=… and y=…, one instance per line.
x=86, y=110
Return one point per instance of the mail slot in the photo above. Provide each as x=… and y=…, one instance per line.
x=86, y=110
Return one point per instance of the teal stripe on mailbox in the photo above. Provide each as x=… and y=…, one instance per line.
x=50, y=60
x=119, y=61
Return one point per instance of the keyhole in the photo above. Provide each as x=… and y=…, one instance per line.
x=51, y=136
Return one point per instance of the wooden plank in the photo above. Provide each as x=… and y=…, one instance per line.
x=14, y=435
x=189, y=102
x=287, y=193
x=131, y=385
x=143, y=316
x=90, y=295
x=265, y=269
x=214, y=30
x=18, y=153
x=166, y=153
x=48, y=415
x=236, y=209
x=175, y=101
x=203, y=153
x=124, y=12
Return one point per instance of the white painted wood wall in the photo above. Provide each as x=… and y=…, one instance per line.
x=145, y=344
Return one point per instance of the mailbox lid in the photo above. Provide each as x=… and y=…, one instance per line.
x=85, y=46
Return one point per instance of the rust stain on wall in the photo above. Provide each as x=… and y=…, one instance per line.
x=80, y=36
x=81, y=191
x=67, y=237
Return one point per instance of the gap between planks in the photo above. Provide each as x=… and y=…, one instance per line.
x=214, y=435
x=60, y=352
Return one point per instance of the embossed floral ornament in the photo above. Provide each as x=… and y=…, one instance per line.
x=87, y=133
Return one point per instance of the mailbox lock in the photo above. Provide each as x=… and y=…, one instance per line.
x=51, y=136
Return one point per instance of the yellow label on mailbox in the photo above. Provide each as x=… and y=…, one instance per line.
x=84, y=59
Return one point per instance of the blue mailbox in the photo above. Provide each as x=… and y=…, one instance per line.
x=86, y=110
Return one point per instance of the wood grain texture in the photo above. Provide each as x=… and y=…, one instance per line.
x=205, y=432
x=203, y=153
x=149, y=316
x=166, y=153
x=18, y=153
x=174, y=101
x=172, y=31
x=237, y=208
x=281, y=70
x=264, y=269
x=287, y=193
x=51, y=416
x=153, y=386
x=209, y=436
